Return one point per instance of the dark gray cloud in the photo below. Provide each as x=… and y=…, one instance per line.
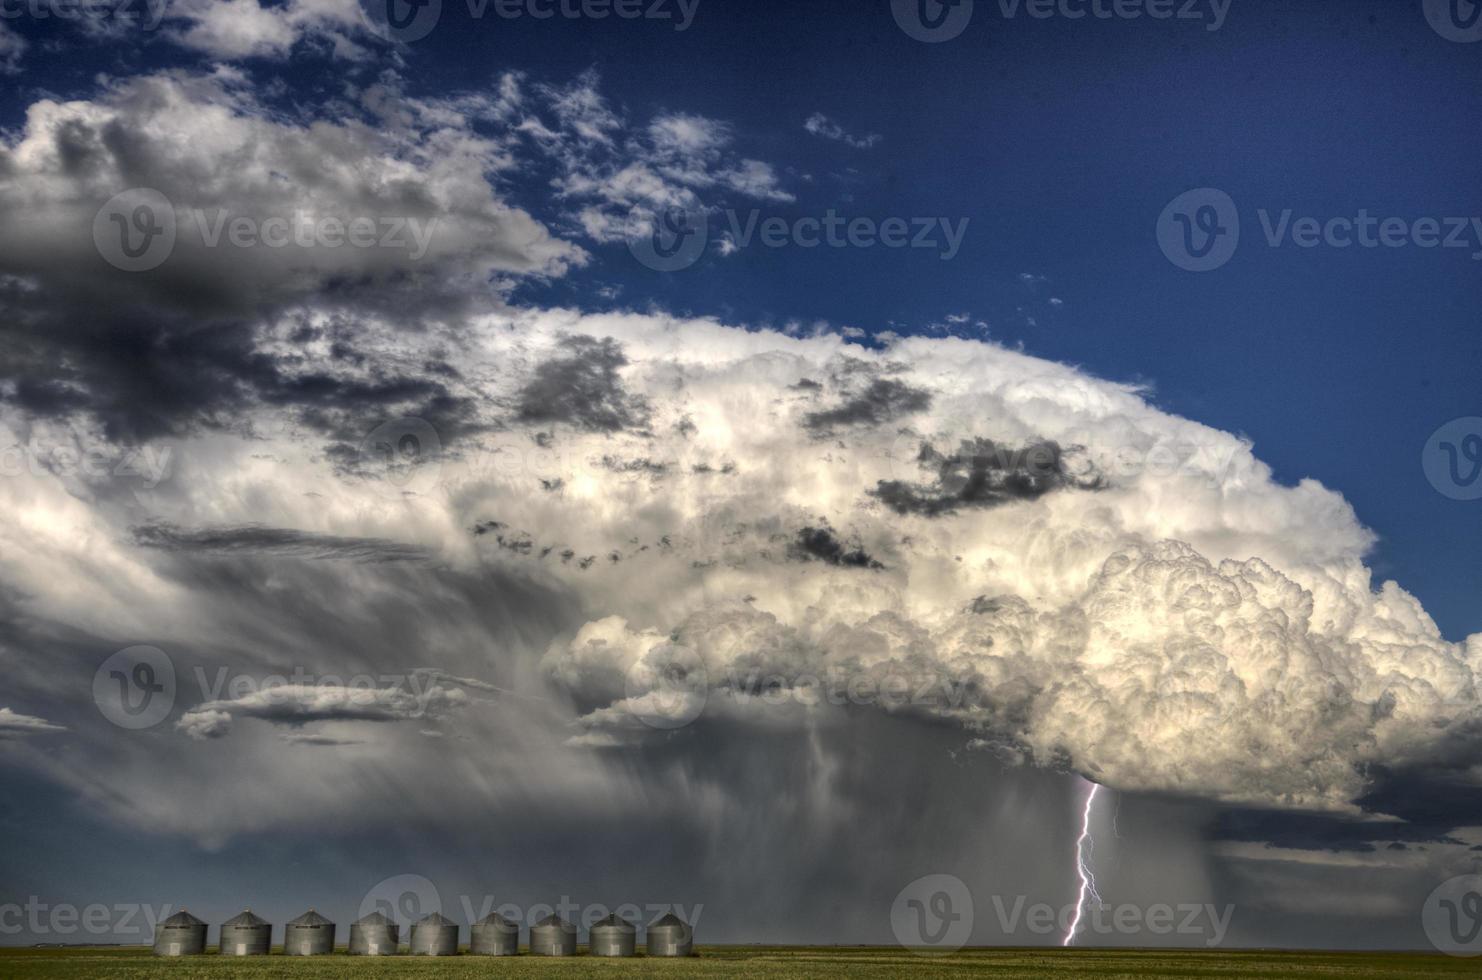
x=258, y=539
x=981, y=473
x=582, y=386
x=822, y=544
x=885, y=400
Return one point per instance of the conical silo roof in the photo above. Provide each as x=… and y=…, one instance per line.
x=615, y=921
x=181, y=919
x=374, y=919
x=554, y=920
x=245, y=920
x=311, y=918
x=435, y=919
x=669, y=919
x=495, y=919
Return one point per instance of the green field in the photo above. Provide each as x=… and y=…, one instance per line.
x=754, y=961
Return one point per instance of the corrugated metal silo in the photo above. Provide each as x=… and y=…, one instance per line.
x=494, y=935
x=311, y=934
x=553, y=936
x=182, y=934
x=246, y=935
x=670, y=936
x=435, y=935
x=614, y=936
x=374, y=935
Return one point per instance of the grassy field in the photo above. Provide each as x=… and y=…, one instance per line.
x=754, y=961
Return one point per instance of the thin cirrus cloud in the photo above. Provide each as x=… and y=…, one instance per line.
x=822, y=126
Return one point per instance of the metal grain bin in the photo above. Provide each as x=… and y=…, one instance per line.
x=670, y=936
x=435, y=935
x=374, y=935
x=613, y=936
x=553, y=936
x=246, y=935
x=311, y=934
x=494, y=935
x=182, y=934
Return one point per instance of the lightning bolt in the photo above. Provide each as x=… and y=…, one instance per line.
x=1083, y=846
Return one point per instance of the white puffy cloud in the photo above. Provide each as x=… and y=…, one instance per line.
x=222, y=160
x=231, y=30
x=1070, y=576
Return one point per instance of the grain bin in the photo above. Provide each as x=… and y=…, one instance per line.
x=246, y=935
x=311, y=934
x=374, y=935
x=613, y=936
x=494, y=935
x=670, y=936
x=182, y=934
x=553, y=936
x=435, y=935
